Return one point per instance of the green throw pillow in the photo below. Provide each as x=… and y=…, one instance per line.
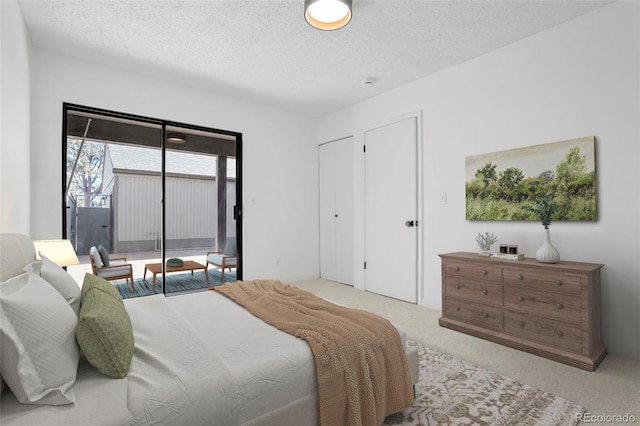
x=104, y=331
x=93, y=281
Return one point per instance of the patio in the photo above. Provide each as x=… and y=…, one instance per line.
x=138, y=260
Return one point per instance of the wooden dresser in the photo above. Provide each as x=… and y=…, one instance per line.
x=551, y=310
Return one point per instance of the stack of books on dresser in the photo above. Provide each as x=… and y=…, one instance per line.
x=507, y=256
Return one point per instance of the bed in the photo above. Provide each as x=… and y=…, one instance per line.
x=199, y=358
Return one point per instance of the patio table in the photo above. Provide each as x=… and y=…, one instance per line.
x=156, y=268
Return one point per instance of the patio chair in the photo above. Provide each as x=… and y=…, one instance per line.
x=109, y=268
x=224, y=259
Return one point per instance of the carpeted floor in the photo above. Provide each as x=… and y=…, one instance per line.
x=453, y=392
x=611, y=390
x=176, y=282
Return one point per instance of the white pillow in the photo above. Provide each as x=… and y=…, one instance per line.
x=39, y=352
x=59, y=279
x=93, y=251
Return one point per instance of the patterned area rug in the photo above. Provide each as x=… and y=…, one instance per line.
x=453, y=392
x=176, y=282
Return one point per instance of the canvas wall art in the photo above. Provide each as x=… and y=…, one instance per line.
x=500, y=184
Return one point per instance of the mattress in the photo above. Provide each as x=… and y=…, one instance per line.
x=199, y=359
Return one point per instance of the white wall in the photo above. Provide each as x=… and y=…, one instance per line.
x=279, y=153
x=14, y=120
x=579, y=79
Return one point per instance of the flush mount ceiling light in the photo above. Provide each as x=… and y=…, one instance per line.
x=177, y=138
x=327, y=14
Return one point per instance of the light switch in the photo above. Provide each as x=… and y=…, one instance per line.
x=443, y=198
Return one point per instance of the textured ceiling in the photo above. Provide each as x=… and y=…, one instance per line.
x=264, y=50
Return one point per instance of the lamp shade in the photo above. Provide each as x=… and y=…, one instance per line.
x=60, y=252
x=327, y=14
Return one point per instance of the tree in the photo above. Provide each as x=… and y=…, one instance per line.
x=475, y=187
x=488, y=173
x=573, y=168
x=87, y=177
x=547, y=175
x=510, y=177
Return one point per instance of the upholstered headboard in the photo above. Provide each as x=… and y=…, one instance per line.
x=16, y=251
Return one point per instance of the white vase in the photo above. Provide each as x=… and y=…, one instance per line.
x=547, y=253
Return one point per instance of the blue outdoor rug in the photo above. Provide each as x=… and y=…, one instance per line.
x=176, y=282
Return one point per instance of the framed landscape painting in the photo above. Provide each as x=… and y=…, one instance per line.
x=501, y=184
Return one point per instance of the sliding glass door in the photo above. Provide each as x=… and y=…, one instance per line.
x=156, y=195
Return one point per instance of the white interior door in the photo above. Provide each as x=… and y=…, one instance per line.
x=327, y=183
x=391, y=235
x=344, y=222
x=336, y=210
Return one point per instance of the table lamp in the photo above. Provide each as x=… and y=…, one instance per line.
x=60, y=252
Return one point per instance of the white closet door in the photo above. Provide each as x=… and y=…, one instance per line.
x=327, y=177
x=390, y=209
x=336, y=210
x=344, y=211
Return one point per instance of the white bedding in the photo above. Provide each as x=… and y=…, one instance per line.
x=199, y=359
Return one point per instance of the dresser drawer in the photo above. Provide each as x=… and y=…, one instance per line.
x=544, y=280
x=544, y=330
x=454, y=268
x=560, y=306
x=489, y=317
x=475, y=291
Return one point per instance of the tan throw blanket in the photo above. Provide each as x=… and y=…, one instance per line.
x=361, y=365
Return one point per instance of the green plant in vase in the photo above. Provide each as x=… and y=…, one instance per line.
x=546, y=208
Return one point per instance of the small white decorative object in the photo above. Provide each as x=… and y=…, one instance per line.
x=547, y=253
x=485, y=241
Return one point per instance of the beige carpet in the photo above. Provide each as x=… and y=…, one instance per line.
x=452, y=391
x=610, y=390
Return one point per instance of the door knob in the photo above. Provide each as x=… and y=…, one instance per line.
x=410, y=223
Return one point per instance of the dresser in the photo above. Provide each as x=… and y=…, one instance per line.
x=551, y=310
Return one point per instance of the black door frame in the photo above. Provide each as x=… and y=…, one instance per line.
x=67, y=107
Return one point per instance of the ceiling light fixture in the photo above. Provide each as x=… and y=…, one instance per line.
x=177, y=138
x=327, y=15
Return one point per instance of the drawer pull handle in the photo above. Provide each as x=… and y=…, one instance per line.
x=520, y=324
x=520, y=299
x=559, y=306
x=457, y=308
x=486, y=315
x=484, y=292
x=457, y=268
x=520, y=277
x=559, y=333
x=457, y=286
x=558, y=282
x=484, y=272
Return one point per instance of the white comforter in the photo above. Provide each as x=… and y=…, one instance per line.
x=199, y=359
